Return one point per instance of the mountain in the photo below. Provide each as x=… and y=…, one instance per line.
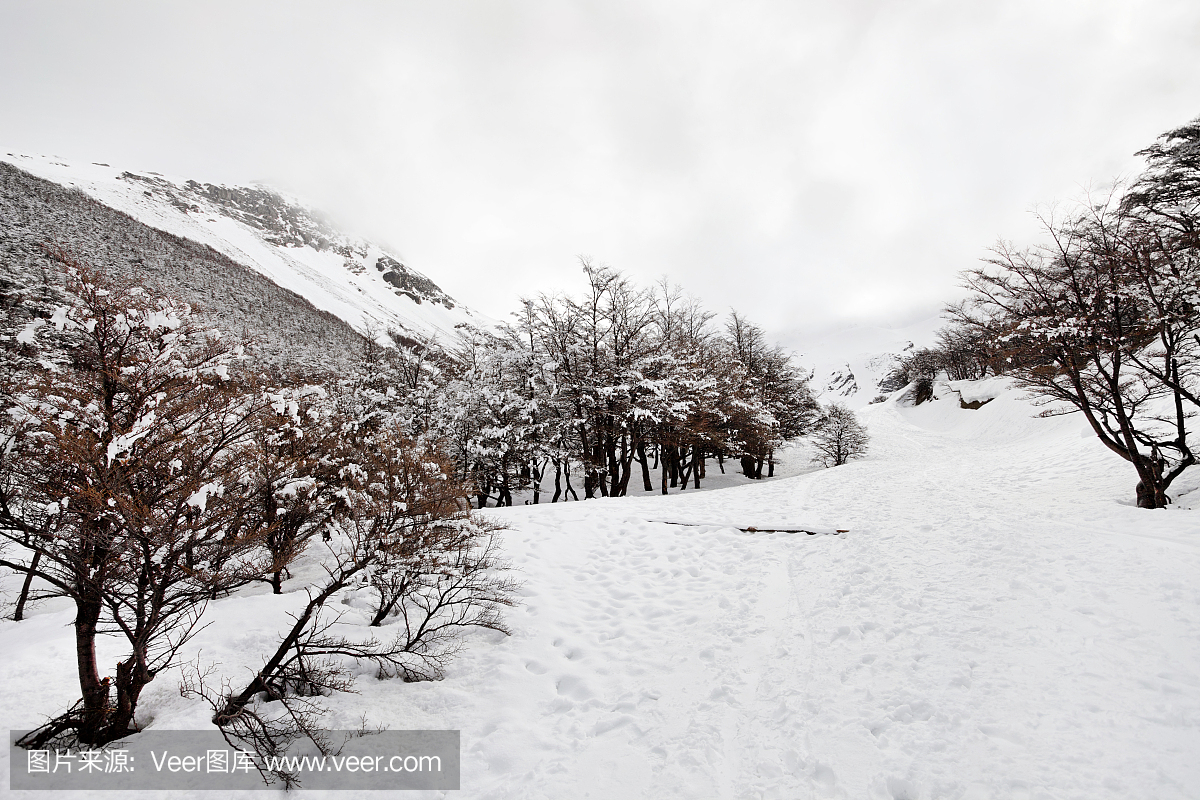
x=220, y=231
x=359, y=282
x=850, y=363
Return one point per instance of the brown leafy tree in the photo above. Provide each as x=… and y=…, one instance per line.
x=120, y=484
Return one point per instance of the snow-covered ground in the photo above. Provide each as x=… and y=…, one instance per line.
x=999, y=622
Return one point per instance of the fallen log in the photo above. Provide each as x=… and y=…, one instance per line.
x=756, y=529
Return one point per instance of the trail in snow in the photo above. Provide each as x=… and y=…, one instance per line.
x=995, y=625
x=998, y=623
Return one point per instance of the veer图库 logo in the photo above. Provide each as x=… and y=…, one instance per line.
x=205, y=760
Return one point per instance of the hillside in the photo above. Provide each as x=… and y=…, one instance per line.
x=285, y=330
x=357, y=281
x=848, y=365
x=998, y=622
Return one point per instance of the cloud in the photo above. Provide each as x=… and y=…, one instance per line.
x=812, y=164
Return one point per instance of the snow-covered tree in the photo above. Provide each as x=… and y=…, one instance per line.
x=1163, y=274
x=776, y=391
x=122, y=482
x=398, y=540
x=1103, y=318
x=1085, y=322
x=839, y=437
x=617, y=381
x=145, y=471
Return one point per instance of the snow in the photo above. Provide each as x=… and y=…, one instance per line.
x=125, y=442
x=28, y=334
x=848, y=364
x=60, y=320
x=321, y=277
x=999, y=621
x=199, y=498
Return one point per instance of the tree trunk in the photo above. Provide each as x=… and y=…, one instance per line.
x=686, y=467
x=626, y=469
x=94, y=690
x=626, y=463
x=614, y=466
x=19, y=611
x=132, y=678
x=261, y=681
x=537, y=474
x=748, y=466
x=1150, y=492
x=647, y=484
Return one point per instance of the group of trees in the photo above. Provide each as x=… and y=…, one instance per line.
x=145, y=470
x=961, y=353
x=609, y=387
x=1103, y=317
x=149, y=465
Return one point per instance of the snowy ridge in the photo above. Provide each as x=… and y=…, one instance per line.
x=847, y=366
x=356, y=280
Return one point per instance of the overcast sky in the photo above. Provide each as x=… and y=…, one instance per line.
x=813, y=164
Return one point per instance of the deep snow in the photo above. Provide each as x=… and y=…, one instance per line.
x=1000, y=622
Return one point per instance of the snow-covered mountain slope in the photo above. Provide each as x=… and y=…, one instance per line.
x=848, y=365
x=999, y=622
x=283, y=332
x=277, y=236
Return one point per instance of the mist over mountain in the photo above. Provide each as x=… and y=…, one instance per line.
x=271, y=266
x=361, y=284
x=851, y=365
x=285, y=330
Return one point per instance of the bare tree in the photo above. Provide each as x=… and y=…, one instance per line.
x=839, y=437
x=434, y=570
x=1078, y=326
x=1163, y=267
